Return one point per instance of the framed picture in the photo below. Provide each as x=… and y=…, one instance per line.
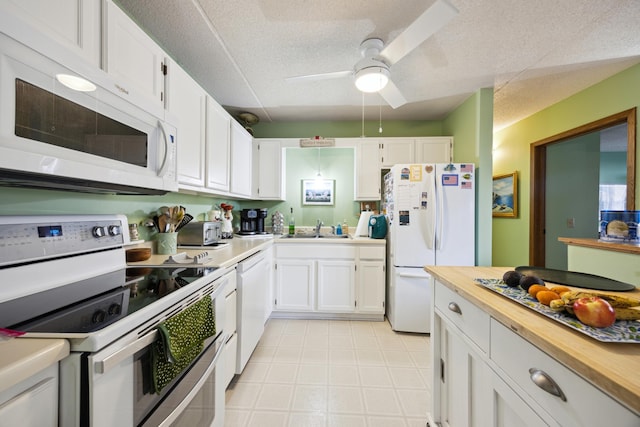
x=505, y=195
x=317, y=192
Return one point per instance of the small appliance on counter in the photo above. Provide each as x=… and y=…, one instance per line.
x=252, y=222
x=362, y=229
x=378, y=226
x=200, y=233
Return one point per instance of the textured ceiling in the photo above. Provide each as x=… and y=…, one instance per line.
x=533, y=53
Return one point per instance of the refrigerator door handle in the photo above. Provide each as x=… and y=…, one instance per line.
x=425, y=275
x=440, y=216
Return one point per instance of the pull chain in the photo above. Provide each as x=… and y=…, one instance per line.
x=380, y=128
x=363, y=135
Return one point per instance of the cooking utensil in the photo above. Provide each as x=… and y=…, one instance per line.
x=138, y=254
x=186, y=218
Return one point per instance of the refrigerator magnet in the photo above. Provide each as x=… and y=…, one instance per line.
x=450, y=180
x=416, y=173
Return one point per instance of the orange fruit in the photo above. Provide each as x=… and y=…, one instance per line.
x=534, y=289
x=545, y=297
x=560, y=290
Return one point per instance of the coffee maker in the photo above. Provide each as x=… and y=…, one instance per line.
x=252, y=221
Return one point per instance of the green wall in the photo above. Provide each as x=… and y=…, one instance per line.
x=613, y=168
x=471, y=125
x=571, y=164
x=511, y=151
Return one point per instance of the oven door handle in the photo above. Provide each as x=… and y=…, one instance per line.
x=196, y=387
x=114, y=359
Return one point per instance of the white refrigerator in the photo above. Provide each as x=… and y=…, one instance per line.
x=431, y=213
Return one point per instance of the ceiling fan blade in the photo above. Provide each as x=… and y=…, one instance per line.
x=321, y=76
x=427, y=24
x=392, y=95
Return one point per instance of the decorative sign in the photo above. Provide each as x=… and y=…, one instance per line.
x=317, y=141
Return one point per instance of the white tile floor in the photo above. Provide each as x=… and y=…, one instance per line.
x=332, y=373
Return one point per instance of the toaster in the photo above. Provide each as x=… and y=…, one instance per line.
x=200, y=233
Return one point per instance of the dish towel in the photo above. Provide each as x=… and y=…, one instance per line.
x=181, y=339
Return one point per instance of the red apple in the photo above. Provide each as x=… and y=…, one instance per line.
x=594, y=311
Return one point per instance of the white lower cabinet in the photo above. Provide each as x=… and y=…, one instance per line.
x=33, y=402
x=336, y=286
x=295, y=285
x=325, y=280
x=485, y=374
x=230, y=328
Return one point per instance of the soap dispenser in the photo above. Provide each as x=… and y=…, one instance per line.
x=338, y=230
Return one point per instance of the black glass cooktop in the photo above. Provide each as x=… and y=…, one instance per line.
x=95, y=303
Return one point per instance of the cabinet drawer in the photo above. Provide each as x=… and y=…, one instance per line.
x=466, y=316
x=585, y=405
x=372, y=252
x=317, y=251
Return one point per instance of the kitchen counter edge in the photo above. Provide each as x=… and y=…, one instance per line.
x=21, y=358
x=614, y=368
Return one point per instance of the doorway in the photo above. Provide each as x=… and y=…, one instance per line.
x=541, y=202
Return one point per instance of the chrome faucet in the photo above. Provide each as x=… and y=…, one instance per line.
x=318, y=225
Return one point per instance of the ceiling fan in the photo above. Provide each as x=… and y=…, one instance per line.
x=372, y=72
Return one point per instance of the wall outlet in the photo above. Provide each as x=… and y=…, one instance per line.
x=571, y=223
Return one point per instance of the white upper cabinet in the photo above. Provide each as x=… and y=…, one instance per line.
x=134, y=60
x=74, y=25
x=241, y=160
x=367, y=170
x=218, y=131
x=416, y=150
x=186, y=100
x=268, y=171
x=433, y=150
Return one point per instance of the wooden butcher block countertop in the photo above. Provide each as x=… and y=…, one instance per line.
x=612, y=367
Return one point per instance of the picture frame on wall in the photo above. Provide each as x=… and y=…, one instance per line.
x=319, y=192
x=505, y=195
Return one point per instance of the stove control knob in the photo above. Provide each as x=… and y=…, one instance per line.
x=115, y=308
x=99, y=232
x=114, y=230
x=99, y=316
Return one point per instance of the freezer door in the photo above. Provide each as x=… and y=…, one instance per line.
x=411, y=302
x=413, y=217
x=455, y=229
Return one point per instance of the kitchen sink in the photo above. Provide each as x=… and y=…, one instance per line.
x=313, y=236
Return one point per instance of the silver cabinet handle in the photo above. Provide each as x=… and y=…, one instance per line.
x=545, y=382
x=454, y=307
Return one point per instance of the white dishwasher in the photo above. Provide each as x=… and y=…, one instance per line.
x=252, y=292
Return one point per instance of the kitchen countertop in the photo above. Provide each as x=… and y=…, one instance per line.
x=231, y=253
x=630, y=248
x=612, y=367
x=21, y=358
x=331, y=240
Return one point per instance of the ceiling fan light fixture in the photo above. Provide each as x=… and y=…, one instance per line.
x=372, y=79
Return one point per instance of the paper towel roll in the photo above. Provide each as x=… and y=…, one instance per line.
x=363, y=224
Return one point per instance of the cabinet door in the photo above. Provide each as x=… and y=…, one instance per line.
x=32, y=403
x=336, y=286
x=462, y=381
x=241, y=159
x=294, y=285
x=268, y=303
x=509, y=409
x=218, y=150
x=396, y=151
x=73, y=24
x=371, y=287
x=367, y=170
x=134, y=60
x=433, y=150
x=230, y=352
x=186, y=100
x=268, y=172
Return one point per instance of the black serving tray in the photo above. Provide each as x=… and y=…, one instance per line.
x=572, y=278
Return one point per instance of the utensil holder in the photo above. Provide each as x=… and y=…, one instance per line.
x=167, y=243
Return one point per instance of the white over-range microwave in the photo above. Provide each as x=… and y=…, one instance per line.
x=92, y=140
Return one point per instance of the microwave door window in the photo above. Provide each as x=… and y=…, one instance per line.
x=49, y=118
